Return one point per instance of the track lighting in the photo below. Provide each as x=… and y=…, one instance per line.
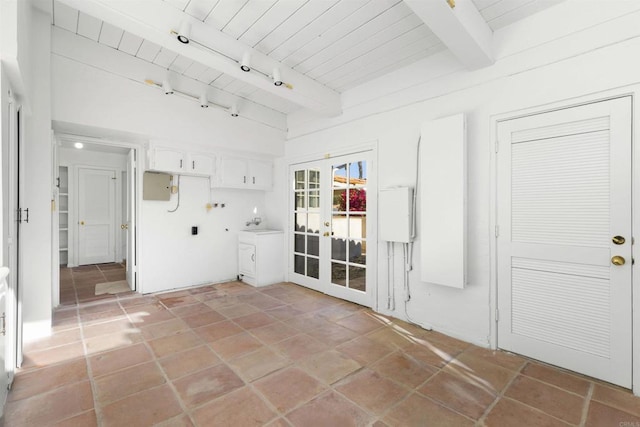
x=204, y=103
x=246, y=61
x=166, y=86
x=185, y=32
x=234, y=110
x=277, y=79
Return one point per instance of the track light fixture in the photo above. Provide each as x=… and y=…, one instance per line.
x=204, y=103
x=234, y=110
x=184, y=33
x=246, y=61
x=277, y=79
x=166, y=86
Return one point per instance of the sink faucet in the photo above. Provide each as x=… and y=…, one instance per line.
x=255, y=221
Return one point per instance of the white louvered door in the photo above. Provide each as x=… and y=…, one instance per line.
x=563, y=193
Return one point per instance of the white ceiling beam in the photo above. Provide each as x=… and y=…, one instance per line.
x=461, y=28
x=154, y=20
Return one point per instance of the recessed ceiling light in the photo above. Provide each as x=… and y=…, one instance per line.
x=78, y=145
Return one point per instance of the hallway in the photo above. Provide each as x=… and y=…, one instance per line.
x=230, y=354
x=78, y=284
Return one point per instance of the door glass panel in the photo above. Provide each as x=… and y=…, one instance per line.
x=357, y=254
x=300, y=220
x=338, y=274
x=298, y=264
x=339, y=249
x=313, y=247
x=314, y=223
x=314, y=178
x=340, y=225
x=313, y=267
x=340, y=200
x=357, y=200
x=298, y=243
x=357, y=277
x=314, y=200
x=300, y=200
x=299, y=180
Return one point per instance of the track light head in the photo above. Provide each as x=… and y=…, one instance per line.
x=184, y=33
x=234, y=111
x=204, y=103
x=277, y=79
x=166, y=86
x=245, y=64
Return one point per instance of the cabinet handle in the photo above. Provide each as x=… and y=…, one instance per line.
x=180, y=163
x=244, y=179
x=254, y=179
x=253, y=257
x=193, y=164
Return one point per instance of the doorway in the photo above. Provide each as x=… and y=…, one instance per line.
x=564, y=239
x=332, y=227
x=97, y=199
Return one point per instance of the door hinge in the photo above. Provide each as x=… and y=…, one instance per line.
x=497, y=315
x=497, y=146
x=497, y=231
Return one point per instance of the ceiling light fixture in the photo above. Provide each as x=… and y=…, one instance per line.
x=203, y=100
x=234, y=110
x=184, y=33
x=166, y=86
x=78, y=145
x=246, y=61
x=277, y=79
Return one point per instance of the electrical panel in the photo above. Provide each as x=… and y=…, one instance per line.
x=395, y=214
x=156, y=186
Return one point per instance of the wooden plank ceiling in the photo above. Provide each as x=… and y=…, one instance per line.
x=337, y=43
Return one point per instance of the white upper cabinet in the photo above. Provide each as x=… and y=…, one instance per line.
x=178, y=161
x=167, y=160
x=201, y=164
x=237, y=172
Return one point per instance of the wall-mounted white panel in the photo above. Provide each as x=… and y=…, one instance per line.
x=394, y=214
x=443, y=196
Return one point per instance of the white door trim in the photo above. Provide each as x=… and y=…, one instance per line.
x=634, y=92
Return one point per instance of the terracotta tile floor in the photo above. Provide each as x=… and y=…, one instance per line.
x=234, y=355
x=78, y=284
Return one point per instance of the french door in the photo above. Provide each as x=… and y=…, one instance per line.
x=564, y=245
x=332, y=227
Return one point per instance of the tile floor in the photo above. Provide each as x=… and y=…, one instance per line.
x=233, y=355
x=78, y=284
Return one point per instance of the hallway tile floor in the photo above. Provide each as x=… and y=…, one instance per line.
x=233, y=355
x=78, y=284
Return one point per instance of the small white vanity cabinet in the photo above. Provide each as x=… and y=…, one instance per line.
x=260, y=257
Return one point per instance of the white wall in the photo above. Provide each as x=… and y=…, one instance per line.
x=36, y=235
x=575, y=55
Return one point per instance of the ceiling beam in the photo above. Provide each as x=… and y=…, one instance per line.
x=154, y=20
x=461, y=28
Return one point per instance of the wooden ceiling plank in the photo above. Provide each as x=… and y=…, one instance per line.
x=89, y=27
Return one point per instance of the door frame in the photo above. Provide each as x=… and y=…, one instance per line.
x=372, y=148
x=138, y=148
x=632, y=91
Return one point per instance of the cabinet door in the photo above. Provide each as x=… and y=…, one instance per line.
x=247, y=259
x=261, y=176
x=168, y=160
x=234, y=173
x=200, y=164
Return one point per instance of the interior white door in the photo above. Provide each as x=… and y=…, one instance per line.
x=4, y=360
x=564, y=245
x=96, y=214
x=332, y=221
x=130, y=224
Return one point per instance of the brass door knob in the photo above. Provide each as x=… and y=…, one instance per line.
x=81, y=222
x=617, y=260
x=124, y=226
x=326, y=234
x=327, y=223
x=618, y=240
